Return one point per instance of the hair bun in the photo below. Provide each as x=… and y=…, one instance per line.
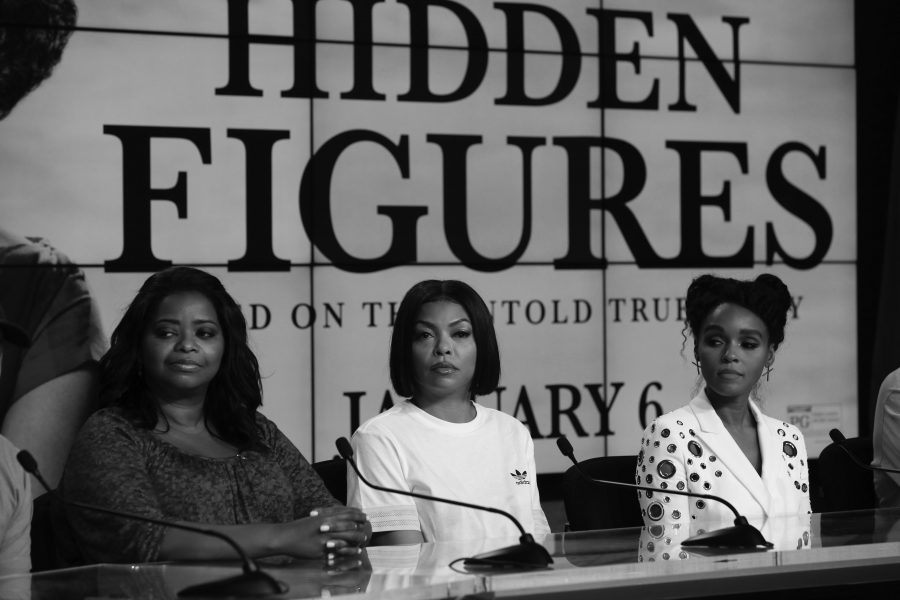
x=776, y=289
x=767, y=296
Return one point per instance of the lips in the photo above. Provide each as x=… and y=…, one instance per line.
x=729, y=374
x=444, y=368
x=184, y=365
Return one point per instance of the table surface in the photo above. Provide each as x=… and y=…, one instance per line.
x=832, y=549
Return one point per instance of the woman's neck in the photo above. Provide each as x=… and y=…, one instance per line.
x=734, y=412
x=183, y=414
x=451, y=409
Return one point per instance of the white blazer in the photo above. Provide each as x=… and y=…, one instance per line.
x=690, y=449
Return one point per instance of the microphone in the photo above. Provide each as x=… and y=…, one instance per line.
x=527, y=554
x=838, y=438
x=741, y=535
x=252, y=582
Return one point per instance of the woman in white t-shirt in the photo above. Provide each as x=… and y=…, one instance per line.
x=439, y=441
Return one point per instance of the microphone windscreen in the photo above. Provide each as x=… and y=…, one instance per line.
x=27, y=461
x=836, y=436
x=344, y=448
x=565, y=446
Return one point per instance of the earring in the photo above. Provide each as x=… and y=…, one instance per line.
x=696, y=364
x=769, y=369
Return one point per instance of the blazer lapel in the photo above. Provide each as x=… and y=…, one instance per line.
x=770, y=447
x=722, y=445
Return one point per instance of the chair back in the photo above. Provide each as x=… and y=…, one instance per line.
x=844, y=485
x=597, y=506
x=53, y=544
x=334, y=473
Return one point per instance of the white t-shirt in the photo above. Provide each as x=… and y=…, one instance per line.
x=886, y=441
x=488, y=461
x=15, y=513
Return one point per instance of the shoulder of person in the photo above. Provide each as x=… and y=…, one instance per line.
x=110, y=427
x=677, y=418
x=502, y=417
x=7, y=448
x=792, y=433
x=264, y=422
x=890, y=383
x=385, y=421
x=111, y=416
x=270, y=435
x=18, y=249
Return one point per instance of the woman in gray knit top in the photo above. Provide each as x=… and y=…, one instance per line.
x=180, y=438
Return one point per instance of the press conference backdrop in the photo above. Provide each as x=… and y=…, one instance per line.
x=577, y=162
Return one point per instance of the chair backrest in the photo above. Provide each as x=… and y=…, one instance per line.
x=596, y=506
x=53, y=544
x=845, y=485
x=334, y=473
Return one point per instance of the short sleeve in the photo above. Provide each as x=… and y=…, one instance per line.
x=541, y=526
x=107, y=468
x=53, y=304
x=886, y=441
x=380, y=462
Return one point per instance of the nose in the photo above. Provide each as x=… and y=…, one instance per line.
x=186, y=343
x=729, y=354
x=442, y=346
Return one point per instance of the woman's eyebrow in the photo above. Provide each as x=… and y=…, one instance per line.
x=718, y=328
x=454, y=322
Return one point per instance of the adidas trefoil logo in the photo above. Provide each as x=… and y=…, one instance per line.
x=521, y=478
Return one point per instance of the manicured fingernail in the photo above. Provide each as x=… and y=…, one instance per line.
x=314, y=513
x=330, y=557
x=324, y=527
x=330, y=544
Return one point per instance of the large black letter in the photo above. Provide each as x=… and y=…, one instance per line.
x=730, y=87
x=800, y=204
x=692, y=200
x=363, y=87
x=581, y=204
x=137, y=255
x=476, y=50
x=456, y=227
x=303, y=41
x=557, y=411
x=570, y=54
x=315, y=204
x=258, y=148
x=609, y=59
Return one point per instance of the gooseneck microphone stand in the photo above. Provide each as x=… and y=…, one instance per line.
x=838, y=438
x=527, y=554
x=252, y=582
x=742, y=535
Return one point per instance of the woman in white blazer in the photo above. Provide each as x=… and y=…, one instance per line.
x=721, y=443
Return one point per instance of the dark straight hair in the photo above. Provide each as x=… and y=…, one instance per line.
x=487, y=361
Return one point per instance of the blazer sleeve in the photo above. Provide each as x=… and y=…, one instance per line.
x=661, y=463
